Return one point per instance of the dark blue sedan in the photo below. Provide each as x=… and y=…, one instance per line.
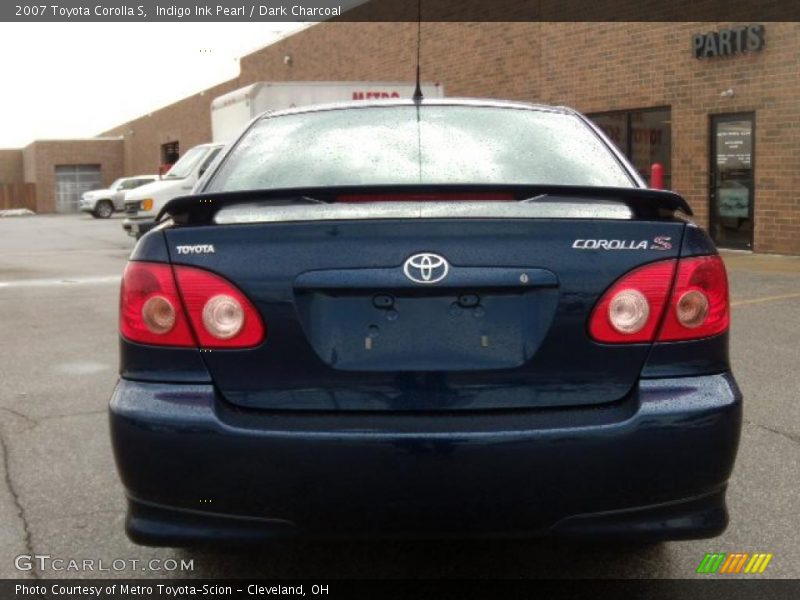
x=425, y=318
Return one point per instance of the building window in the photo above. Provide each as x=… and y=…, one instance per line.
x=170, y=153
x=643, y=135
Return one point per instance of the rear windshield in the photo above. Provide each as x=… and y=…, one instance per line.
x=409, y=145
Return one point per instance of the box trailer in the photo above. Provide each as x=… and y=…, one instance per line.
x=232, y=111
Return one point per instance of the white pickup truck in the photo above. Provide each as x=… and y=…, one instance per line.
x=101, y=204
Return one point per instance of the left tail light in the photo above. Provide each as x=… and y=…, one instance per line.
x=148, y=297
x=221, y=315
x=188, y=308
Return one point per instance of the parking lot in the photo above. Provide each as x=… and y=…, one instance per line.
x=60, y=496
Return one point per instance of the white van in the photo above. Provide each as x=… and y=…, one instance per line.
x=232, y=111
x=142, y=204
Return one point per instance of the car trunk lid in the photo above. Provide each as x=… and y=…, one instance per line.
x=500, y=323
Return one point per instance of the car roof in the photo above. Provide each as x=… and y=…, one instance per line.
x=473, y=102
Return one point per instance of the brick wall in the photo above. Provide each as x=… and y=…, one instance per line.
x=615, y=66
x=11, y=166
x=187, y=121
x=472, y=59
x=591, y=66
x=41, y=158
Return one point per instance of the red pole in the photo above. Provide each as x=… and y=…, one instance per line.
x=657, y=176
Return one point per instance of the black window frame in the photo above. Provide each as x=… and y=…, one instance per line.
x=713, y=199
x=629, y=112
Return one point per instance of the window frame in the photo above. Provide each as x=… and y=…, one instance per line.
x=627, y=152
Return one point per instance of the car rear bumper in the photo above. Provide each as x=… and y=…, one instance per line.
x=654, y=466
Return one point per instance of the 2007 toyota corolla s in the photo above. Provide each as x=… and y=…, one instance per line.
x=431, y=318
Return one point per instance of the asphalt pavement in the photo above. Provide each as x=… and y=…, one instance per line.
x=60, y=495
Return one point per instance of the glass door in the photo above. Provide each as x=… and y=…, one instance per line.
x=732, y=181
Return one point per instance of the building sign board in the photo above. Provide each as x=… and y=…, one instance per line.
x=735, y=146
x=727, y=42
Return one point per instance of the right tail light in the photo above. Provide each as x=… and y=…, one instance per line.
x=699, y=305
x=665, y=301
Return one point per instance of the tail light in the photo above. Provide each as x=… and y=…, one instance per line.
x=221, y=315
x=631, y=309
x=699, y=306
x=150, y=308
x=427, y=197
x=644, y=305
x=202, y=309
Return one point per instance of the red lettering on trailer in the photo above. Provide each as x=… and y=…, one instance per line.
x=374, y=95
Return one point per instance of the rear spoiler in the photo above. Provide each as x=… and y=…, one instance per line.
x=199, y=209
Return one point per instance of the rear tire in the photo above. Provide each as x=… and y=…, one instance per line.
x=103, y=210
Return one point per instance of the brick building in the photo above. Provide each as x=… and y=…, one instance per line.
x=62, y=169
x=58, y=166
x=715, y=104
x=11, y=169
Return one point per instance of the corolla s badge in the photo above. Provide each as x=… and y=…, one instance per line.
x=426, y=268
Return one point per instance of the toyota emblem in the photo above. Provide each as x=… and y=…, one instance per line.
x=426, y=268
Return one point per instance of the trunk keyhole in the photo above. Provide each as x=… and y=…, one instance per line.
x=468, y=300
x=383, y=301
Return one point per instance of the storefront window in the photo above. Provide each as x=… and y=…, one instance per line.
x=732, y=180
x=644, y=136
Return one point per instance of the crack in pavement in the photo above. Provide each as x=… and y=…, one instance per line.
x=34, y=421
x=91, y=513
x=87, y=413
x=789, y=436
x=22, y=416
x=29, y=423
x=15, y=497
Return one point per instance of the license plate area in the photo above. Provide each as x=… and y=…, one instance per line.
x=426, y=330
